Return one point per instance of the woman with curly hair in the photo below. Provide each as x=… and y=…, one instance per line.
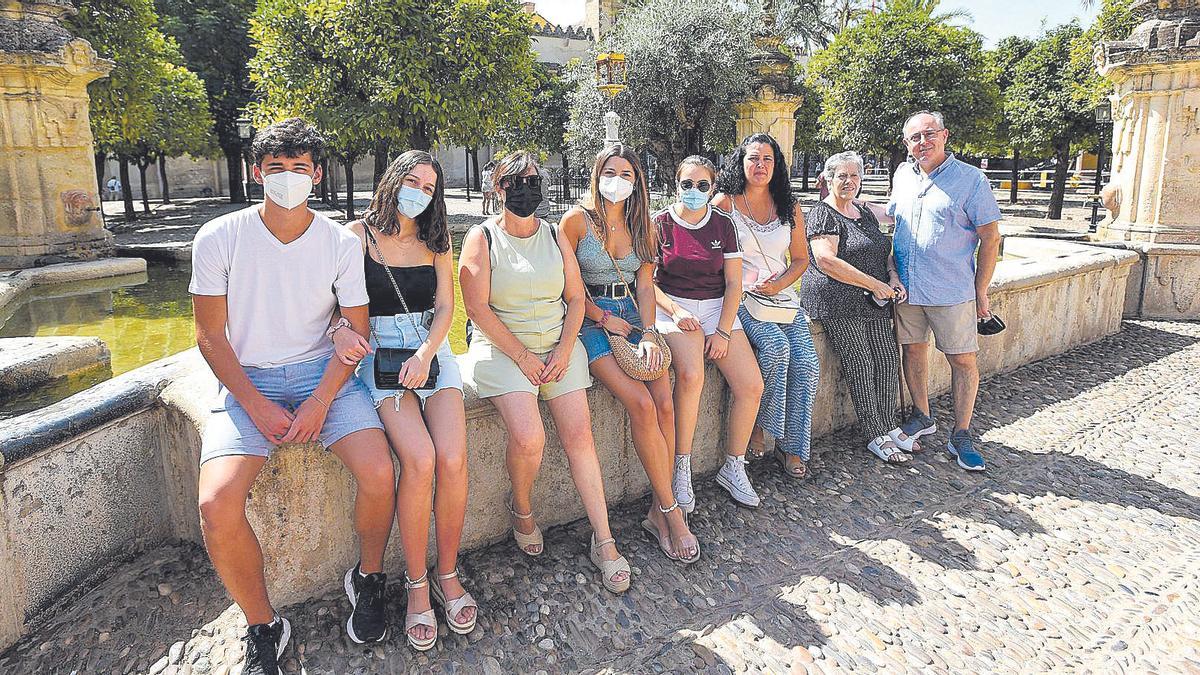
x=410, y=284
x=756, y=191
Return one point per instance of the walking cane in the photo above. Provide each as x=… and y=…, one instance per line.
x=899, y=360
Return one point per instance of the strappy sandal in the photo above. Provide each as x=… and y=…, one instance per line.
x=907, y=444
x=452, y=608
x=792, y=465
x=426, y=618
x=610, y=568
x=525, y=541
x=664, y=539
x=885, y=448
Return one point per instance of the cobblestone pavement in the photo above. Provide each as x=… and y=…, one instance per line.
x=1078, y=550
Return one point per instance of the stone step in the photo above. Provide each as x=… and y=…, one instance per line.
x=31, y=362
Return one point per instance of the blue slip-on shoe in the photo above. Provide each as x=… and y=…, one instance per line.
x=918, y=424
x=962, y=448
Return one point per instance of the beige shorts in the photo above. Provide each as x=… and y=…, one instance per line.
x=492, y=373
x=954, y=326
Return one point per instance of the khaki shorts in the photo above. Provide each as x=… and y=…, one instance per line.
x=954, y=326
x=492, y=373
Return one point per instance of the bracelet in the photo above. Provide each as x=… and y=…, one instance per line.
x=342, y=323
x=318, y=400
x=723, y=334
x=604, y=319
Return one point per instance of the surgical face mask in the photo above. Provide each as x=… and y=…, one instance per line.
x=615, y=189
x=523, y=195
x=287, y=188
x=411, y=201
x=693, y=199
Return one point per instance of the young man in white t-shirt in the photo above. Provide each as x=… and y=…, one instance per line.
x=265, y=283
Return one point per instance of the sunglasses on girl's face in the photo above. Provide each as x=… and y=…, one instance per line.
x=688, y=184
x=534, y=181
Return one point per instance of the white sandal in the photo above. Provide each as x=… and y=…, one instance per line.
x=525, y=541
x=452, y=608
x=885, y=448
x=906, y=444
x=426, y=618
x=610, y=568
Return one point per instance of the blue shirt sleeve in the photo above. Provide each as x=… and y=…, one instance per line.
x=981, y=206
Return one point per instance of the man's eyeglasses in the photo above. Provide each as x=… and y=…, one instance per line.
x=534, y=181
x=928, y=134
x=688, y=184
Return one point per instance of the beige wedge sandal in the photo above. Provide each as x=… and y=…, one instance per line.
x=610, y=568
x=452, y=608
x=426, y=618
x=527, y=541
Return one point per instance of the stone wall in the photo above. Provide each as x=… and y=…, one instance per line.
x=1165, y=281
x=114, y=472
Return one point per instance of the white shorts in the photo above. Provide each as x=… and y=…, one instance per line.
x=708, y=312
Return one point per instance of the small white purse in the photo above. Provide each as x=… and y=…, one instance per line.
x=779, y=308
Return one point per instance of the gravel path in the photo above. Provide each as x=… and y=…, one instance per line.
x=1078, y=550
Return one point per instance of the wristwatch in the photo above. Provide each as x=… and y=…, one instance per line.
x=341, y=323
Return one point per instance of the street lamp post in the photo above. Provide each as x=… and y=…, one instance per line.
x=1103, y=118
x=245, y=132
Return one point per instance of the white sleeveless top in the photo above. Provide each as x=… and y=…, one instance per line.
x=764, y=248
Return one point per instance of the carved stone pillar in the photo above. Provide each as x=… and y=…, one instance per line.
x=772, y=108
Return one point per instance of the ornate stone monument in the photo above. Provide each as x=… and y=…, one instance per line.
x=49, y=206
x=1156, y=133
x=772, y=107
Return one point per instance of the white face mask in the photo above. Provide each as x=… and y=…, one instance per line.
x=288, y=188
x=615, y=189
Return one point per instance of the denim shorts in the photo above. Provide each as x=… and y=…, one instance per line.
x=398, y=332
x=595, y=340
x=230, y=431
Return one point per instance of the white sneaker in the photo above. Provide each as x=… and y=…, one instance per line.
x=733, y=478
x=681, y=484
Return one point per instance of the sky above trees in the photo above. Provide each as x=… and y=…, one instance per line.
x=995, y=19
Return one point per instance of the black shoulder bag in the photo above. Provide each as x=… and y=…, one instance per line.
x=390, y=360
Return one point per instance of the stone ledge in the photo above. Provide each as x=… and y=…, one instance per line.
x=12, y=284
x=30, y=362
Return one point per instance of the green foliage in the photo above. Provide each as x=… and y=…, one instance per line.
x=122, y=104
x=1049, y=102
x=182, y=123
x=405, y=71
x=889, y=65
x=214, y=37
x=689, y=65
x=542, y=126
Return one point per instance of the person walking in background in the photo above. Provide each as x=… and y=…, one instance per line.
x=489, y=188
x=699, y=277
x=848, y=289
x=755, y=191
x=945, y=213
x=112, y=189
x=516, y=276
x=615, y=245
x=407, y=255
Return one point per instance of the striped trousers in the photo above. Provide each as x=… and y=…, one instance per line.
x=788, y=361
x=870, y=360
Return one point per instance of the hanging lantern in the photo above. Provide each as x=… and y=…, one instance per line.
x=611, y=73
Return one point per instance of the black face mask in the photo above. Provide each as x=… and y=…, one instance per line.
x=523, y=198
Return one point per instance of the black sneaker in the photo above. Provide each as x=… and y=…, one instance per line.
x=368, y=620
x=265, y=643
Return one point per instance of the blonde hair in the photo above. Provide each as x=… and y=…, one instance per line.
x=637, y=207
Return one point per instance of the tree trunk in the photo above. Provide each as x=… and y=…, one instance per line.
x=348, y=164
x=334, y=196
x=804, y=171
x=323, y=186
x=99, y=158
x=233, y=164
x=162, y=179
x=142, y=165
x=475, y=169
x=420, y=137
x=566, y=185
x=381, y=160
x=1063, y=155
x=126, y=191
x=1015, y=178
x=894, y=161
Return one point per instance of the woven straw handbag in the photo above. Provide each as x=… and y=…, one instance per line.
x=624, y=351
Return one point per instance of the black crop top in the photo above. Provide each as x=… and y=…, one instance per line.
x=418, y=284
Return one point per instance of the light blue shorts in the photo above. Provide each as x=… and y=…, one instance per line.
x=230, y=431
x=398, y=332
